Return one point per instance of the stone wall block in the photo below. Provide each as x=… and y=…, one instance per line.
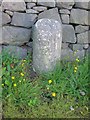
x=68, y=34
x=5, y=18
x=81, y=28
x=40, y=8
x=79, y=16
x=16, y=51
x=48, y=3
x=83, y=37
x=15, y=35
x=65, y=18
x=83, y=5
x=14, y=6
x=65, y=4
x=30, y=5
x=23, y=19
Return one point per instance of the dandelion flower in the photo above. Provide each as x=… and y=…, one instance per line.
x=50, y=81
x=21, y=74
x=23, y=79
x=13, y=77
x=75, y=68
x=2, y=84
x=75, y=71
x=15, y=85
x=77, y=60
x=53, y=94
x=47, y=88
x=24, y=60
x=22, y=64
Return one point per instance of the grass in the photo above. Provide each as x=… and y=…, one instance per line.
x=62, y=93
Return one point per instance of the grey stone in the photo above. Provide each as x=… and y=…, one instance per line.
x=48, y=3
x=68, y=34
x=30, y=47
x=64, y=45
x=76, y=47
x=47, y=39
x=9, y=12
x=15, y=35
x=65, y=18
x=79, y=16
x=82, y=93
x=30, y=44
x=50, y=14
x=5, y=18
x=69, y=55
x=30, y=5
x=83, y=37
x=86, y=46
x=14, y=6
x=83, y=5
x=65, y=4
x=23, y=19
x=80, y=28
x=79, y=54
x=16, y=51
x=64, y=11
x=29, y=1
x=40, y=8
x=71, y=108
x=31, y=11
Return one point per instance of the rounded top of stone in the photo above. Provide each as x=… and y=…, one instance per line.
x=48, y=24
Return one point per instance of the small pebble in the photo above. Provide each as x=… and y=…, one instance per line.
x=82, y=93
x=71, y=108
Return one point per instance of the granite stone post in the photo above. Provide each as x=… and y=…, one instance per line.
x=47, y=39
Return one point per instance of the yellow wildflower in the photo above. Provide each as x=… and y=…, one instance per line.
x=13, y=77
x=15, y=85
x=75, y=71
x=21, y=74
x=75, y=52
x=23, y=79
x=47, y=88
x=75, y=68
x=24, y=60
x=77, y=60
x=50, y=81
x=2, y=84
x=22, y=64
x=53, y=94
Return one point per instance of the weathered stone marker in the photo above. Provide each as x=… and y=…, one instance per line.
x=47, y=39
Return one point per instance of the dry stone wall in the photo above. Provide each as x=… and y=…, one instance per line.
x=18, y=17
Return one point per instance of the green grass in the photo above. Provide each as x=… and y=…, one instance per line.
x=23, y=97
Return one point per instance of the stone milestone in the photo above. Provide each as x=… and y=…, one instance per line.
x=47, y=39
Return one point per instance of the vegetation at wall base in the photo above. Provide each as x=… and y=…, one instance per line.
x=62, y=93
